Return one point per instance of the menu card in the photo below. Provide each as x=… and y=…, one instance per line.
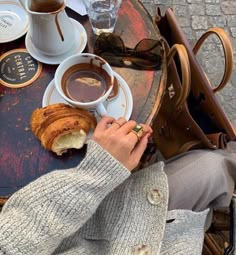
x=78, y=6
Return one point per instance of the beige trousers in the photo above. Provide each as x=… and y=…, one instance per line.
x=200, y=179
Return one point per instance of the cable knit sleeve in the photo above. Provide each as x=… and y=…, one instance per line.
x=38, y=217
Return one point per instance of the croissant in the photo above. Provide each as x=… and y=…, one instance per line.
x=60, y=127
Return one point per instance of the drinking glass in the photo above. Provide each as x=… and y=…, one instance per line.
x=103, y=15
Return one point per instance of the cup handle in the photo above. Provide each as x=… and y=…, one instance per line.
x=101, y=109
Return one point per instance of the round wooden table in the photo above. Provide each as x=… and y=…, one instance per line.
x=22, y=158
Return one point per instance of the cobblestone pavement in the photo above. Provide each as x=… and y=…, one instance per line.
x=195, y=17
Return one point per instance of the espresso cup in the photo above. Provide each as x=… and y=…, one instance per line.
x=85, y=81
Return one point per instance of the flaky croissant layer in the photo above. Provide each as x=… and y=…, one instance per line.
x=60, y=127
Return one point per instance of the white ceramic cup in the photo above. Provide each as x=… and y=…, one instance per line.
x=51, y=31
x=99, y=63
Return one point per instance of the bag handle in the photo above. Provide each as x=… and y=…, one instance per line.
x=185, y=71
x=228, y=52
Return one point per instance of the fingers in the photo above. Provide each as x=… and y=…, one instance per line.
x=125, y=130
x=104, y=122
x=124, y=140
x=140, y=147
x=139, y=131
x=116, y=124
x=101, y=128
x=127, y=127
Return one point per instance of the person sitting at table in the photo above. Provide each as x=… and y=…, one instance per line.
x=99, y=207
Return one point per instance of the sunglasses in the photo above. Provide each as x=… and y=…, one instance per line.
x=146, y=55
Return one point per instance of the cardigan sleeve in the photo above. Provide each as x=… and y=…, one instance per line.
x=39, y=216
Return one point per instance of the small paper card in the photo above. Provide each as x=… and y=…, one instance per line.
x=78, y=6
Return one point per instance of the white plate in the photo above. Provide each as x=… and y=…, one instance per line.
x=14, y=21
x=80, y=44
x=120, y=106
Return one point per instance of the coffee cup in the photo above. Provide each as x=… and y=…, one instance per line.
x=85, y=81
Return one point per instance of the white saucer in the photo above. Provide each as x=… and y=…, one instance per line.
x=14, y=21
x=120, y=106
x=80, y=44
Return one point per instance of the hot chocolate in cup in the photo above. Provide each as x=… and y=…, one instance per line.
x=85, y=80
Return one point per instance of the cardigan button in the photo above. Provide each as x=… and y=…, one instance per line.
x=154, y=197
x=141, y=249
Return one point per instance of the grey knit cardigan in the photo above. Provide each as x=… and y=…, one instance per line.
x=98, y=207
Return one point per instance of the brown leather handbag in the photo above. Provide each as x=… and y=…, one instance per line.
x=190, y=117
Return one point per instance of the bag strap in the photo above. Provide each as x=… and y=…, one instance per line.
x=185, y=71
x=228, y=52
x=180, y=50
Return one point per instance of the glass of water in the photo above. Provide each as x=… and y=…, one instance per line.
x=103, y=15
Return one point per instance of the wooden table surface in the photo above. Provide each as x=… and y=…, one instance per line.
x=22, y=158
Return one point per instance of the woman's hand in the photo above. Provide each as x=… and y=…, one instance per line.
x=121, y=141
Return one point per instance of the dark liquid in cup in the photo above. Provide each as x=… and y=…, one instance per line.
x=85, y=83
x=46, y=6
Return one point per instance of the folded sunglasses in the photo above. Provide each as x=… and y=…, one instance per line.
x=146, y=55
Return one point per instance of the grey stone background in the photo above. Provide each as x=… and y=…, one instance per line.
x=195, y=17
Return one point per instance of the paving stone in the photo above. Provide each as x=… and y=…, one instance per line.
x=233, y=31
x=199, y=22
x=196, y=9
x=212, y=1
x=231, y=20
x=180, y=2
x=199, y=33
x=184, y=21
x=218, y=21
x=181, y=10
x=189, y=34
x=194, y=1
x=213, y=10
x=163, y=2
x=228, y=7
x=234, y=79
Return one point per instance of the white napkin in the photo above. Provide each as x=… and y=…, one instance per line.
x=78, y=6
